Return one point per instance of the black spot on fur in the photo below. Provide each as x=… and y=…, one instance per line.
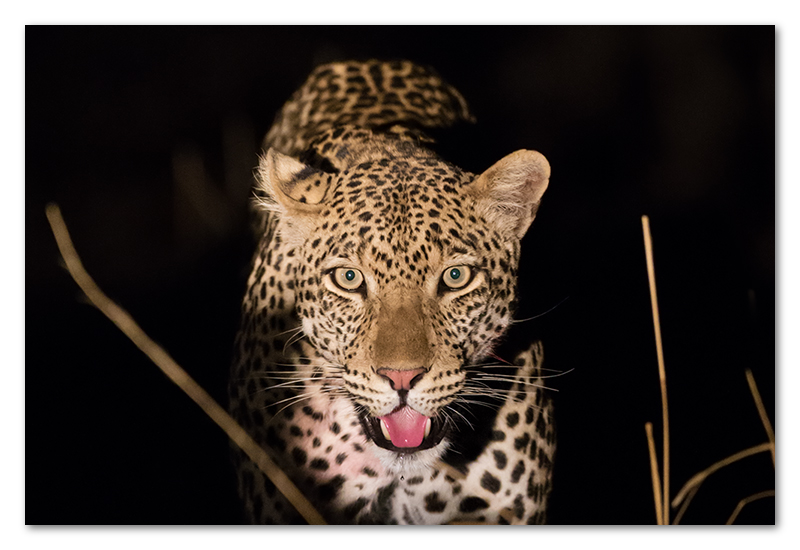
x=500, y=459
x=529, y=415
x=274, y=441
x=490, y=483
x=300, y=456
x=269, y=487
x=434, y=504
x=351, y=510
x=472, y=504
x=328, y=491
x=519, y=507
x=521, y=442
x=536, y=519
x=535, y=490
x=517, y=472
x=512, y=419
x=541, y=426
x=381, y=510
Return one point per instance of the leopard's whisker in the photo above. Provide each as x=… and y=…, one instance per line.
x=296, y=337
x=292, y=330
x=274, y=416
x=463, y=401
x=454, y=411
x=496, y=378
x=507, y=367
x=299, y=397
x=301, y=384
x=494, y=393
x=519, y=321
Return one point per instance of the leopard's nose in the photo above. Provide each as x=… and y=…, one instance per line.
x=402, y=379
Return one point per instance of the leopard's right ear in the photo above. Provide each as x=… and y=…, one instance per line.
x=289, y=187
x=508, y=194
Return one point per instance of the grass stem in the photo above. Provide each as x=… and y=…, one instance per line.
x=651, y=275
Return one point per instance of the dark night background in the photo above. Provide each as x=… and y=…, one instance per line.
x=146, y=137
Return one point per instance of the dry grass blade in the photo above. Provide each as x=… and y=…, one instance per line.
x=651, y=445
x=762, y=412
x=648, y=247
x=451, y=471
x=685, y=505
x=688, y=491
x=745, y=501
x=507, y=514
x=691, y=487
x=160, y=357
x=698, y=478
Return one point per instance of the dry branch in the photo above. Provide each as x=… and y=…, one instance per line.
x=745, y=501
x=698, y=478
x=162, y=359
x=685, y=505
x=761, y=411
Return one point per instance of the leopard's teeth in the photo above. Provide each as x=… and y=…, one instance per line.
x=385, y=430
x=427, y=427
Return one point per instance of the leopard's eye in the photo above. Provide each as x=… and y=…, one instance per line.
x=347, y=278
x=456, y=277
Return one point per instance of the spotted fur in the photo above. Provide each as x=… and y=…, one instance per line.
x=350, y=195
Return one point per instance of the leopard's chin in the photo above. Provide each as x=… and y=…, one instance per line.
x=408, y=464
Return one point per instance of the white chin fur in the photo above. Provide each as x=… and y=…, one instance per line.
x=410, y=464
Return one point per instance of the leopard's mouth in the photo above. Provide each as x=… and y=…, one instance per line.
x=404, y=430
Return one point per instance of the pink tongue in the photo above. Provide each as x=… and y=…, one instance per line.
x=406, y=427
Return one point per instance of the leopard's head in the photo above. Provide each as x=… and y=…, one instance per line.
x=405, y=277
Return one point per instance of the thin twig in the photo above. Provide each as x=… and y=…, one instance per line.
x=762, y=412
x=452, y=471
x=698, y=478
x=160, y=357
x=651, y=445
x=685, y=505
x=745, y=501
x=693, y=485
x=507, y=514
x=648, y=247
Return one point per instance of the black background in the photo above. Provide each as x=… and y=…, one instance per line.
x=674, y=122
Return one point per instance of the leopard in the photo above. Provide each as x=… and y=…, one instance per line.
x=383, y=283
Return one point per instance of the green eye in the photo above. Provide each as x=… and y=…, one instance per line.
x=348, y=278
x=456, y=277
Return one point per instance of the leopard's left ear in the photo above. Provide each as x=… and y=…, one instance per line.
x=288, y=186
x=508, y=194
x=294, y=191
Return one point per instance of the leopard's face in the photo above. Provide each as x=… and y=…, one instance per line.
x=404, y=278
x=404, y=290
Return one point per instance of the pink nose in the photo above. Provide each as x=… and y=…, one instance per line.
x=402, y=379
